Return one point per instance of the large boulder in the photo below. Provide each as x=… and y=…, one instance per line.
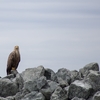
x=35, y=84
x=80, y=89
x=85, y=70
x=34, y=78
x=31, y=73
x=8, y=87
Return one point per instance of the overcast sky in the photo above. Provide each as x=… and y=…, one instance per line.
x=53, y=33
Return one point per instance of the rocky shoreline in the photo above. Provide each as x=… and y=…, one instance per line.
x=44, y=84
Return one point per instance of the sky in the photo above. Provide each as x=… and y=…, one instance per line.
x=52, y=33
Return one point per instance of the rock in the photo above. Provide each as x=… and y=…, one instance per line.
x=19, y=81
x=14, y=72
x=96, y=96
x=59, y=94
x=7, y=87
x=10, y=98
x=80, y=89
x=34, y=96
x=50, y=75
x=30, y=85
x=10, y=76
x=66, y=88
x=30, y=73
x=41, y=82
x=65, y=74
x=75, y=76
x=85, y=70
x=1, y=98
x=94, y=79
x=20, y=95
x=76, y=98
x=36, y=84
x=62, y=83
x=48, y=89
x=90, y=98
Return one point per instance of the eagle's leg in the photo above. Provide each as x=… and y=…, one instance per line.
x=13, y=68
x=14, y=71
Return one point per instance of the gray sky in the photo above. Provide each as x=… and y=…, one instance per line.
x=53, y=33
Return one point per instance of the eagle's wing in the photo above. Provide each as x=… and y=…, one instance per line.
x=11, y=62
x=18, y=58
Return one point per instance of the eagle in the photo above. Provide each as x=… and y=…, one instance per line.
x=13, y=60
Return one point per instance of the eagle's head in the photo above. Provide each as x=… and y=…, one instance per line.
x=16, y=48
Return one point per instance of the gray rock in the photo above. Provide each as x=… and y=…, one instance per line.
x=85, y=70
x=31, y=73
x=66, y=88
x=90, y=98
x=1, y=98
x=48, y=89
x=76, y=98
x=7, y=87
x=10, y=98
x=59, y=94
x=35, y=84
x=62, y=83
x=65, y=74
x=20, y=95
x=96, y=96
x=50, y=75
x=34, y=96
x=14, y=72
x=94, y=79
x=80, y=89
x=41, y=82
x=19, y=81
x=75, y=76
x=10, y=76
x=30, y=85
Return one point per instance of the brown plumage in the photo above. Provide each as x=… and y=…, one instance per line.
x=13, y=60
